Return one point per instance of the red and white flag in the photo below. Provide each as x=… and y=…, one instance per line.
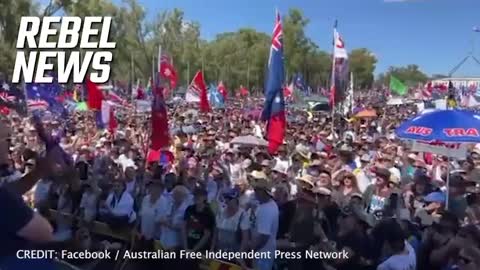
x=197, y=92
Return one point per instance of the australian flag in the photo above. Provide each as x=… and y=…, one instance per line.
x=274, y=107
x=300, y=83
x=48, y=92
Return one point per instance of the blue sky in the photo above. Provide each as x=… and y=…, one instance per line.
x=435, y=34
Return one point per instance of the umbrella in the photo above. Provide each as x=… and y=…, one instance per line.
x=455, y=126
x=445, y=126
x=366, y=113
x=249, y=140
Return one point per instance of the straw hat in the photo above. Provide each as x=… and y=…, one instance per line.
x=258, y=175
x=303, y=151
x=263, y=184
x=307, y=180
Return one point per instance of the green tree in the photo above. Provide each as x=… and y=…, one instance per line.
x=362, y=64
x=11, y=13
x=410, y=75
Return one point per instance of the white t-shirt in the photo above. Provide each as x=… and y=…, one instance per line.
x=227, y=229
x=266, y=223
x=89, y=205
x=170, y=238
x=401, y=262
x=395, y=172
x=149, y=215
x=122, y=207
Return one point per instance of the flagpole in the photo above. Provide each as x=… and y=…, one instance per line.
x=159, y=62
x=153, y=71
x=131, y=78
x=352, y=98
x=332, y=82
x=82, y=94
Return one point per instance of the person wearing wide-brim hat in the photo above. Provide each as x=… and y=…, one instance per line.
x=363, y=218
x=262, y=187
x=303, y=152
x=305, y=181
x=266, y=222
x=254, y=175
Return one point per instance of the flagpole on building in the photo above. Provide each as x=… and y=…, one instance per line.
x=332, y=83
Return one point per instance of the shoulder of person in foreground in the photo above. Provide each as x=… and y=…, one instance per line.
x=23, y=221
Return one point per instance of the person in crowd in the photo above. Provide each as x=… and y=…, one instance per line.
x=301, y=229
x=171, y=222
x=264, y=224
x=246, y=193
x=118, y=208
x=199, y=222
x=457, y=195
x=152, y=207
x=351, y=238
x=286, y=209
x=437, y=249
x=348, y=186
x=89, y=202
x=65, y=208
x=41, y=193
x=375, y=196
x=232, y=224
x=396, y=252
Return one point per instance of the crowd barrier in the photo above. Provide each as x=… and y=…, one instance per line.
x=102, y=229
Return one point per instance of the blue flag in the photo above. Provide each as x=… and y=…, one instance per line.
x=300, y=83
x=274, y=107
x=215, y=97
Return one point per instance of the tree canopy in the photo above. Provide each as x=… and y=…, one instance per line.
x=411, y=75
x=236, y=58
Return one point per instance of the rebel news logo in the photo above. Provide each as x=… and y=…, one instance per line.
x=42, y=41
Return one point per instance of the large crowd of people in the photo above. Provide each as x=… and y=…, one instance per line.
x=352, y=189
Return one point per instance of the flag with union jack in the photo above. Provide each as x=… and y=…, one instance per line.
x=274, y=106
